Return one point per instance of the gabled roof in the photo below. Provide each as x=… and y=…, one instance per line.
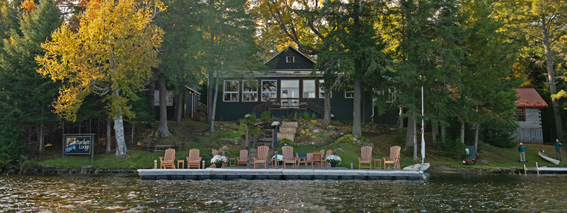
x=278, y=62
x=529, y=98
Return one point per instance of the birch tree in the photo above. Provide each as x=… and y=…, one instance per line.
x=111, y=54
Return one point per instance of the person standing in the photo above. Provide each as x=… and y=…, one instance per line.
x=558, y=146
x=522, y=150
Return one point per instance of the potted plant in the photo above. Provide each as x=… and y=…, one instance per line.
x=334, y=160
x=218, y=160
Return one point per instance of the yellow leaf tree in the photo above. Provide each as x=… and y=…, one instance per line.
x=111, y=54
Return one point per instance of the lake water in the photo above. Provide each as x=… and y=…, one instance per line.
x=441, y=192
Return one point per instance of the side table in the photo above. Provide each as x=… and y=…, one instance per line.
x=379, y=166
x=181, y=164
x=232, y=161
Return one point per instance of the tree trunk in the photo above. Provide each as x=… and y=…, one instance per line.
x=121, y=149
x=133, y=130
x=356, y=111
x=40, y=137
x=551, y=78
x=214, y=107
x=443, y=133
x=410, y=133
x=414, y=137
x=327, y=113
x=162, y=130
x=179, y=110
x=400, y=120
x=463, y=131
x=434, y=130
x=477, y=125
x=108, y=136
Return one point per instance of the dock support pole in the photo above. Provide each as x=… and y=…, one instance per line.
x=525, y=170
x=537, y=168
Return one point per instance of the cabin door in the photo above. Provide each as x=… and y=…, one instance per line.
x=290, y=93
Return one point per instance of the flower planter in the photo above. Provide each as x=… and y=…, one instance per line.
x=334, y=164
x=219, y=165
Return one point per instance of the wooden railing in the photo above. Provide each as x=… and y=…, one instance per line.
x=288, y=103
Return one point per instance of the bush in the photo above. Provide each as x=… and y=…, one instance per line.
x=452, y=148
x=499, y=138
x=286, y=142
x=346, y=139
x=265, y=116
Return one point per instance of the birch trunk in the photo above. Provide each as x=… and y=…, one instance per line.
x=121, y=149
x=463, y=132
x=214, y=107
x=163, y=130
x=327, y=113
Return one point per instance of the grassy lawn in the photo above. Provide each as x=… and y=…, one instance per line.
x=194, y=135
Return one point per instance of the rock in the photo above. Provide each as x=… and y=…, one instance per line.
x=483, y=161
x=316, y=131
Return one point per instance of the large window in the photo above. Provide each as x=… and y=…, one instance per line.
x=322, y=89
x=230, y=93
x=521, y=114
x=349, y=93
x=269, y=89
x=308, y=88
x=250, y=91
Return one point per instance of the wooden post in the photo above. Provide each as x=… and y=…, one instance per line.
x=247, y=142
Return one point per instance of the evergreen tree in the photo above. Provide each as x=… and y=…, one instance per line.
x=28, y=95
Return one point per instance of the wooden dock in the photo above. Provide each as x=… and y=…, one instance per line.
x=278, y=174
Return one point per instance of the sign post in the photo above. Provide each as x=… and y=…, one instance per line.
x=79, y=144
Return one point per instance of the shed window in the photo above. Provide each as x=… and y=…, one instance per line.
x=269, y=89
x=290, y=59
x=521, y=114
x=308, y=88
x=230, y=93
x=349, y=93
x=249, y=91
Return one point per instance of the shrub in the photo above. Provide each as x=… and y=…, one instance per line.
x=286, y=142
x=346, y=139
x=265, y=116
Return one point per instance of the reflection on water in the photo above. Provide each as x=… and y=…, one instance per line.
x=455, y=192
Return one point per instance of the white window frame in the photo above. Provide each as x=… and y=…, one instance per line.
x=287, y=59
x=268, y=92
x=253, y=94
x=232, y=93
x=320, y=86
x=351, y=92
x=314, y=91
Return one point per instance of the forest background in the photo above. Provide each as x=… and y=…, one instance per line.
x=66, y=64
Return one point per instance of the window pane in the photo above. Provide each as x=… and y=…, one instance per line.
x=231, y=86
x=249, y=86
x=269, y=86
x=308, y=88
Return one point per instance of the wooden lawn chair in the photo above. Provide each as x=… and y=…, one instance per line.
x=365, y=158
x=303, y=160
x=194, y=160
x=317, y=158
x=288, y=156
x=243, y=159
x=329, y=152
x=262, y=157
x=394, y=158
x=168, y=160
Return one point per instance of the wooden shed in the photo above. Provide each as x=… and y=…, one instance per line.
x=528, y=114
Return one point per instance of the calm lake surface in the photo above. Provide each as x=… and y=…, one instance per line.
x=441, y=192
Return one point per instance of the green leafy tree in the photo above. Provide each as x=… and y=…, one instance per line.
x=111, y=54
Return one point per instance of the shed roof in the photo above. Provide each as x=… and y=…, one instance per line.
x=529, y=98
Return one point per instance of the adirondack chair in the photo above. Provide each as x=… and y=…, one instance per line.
x=305, y=160
x=262, y=157
x=194, y=160
x=394, y=158
x=288, y=156
x=317, y=159
x=243, y=159
x=168, y=160
x=365, y=158
x=329, y=152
